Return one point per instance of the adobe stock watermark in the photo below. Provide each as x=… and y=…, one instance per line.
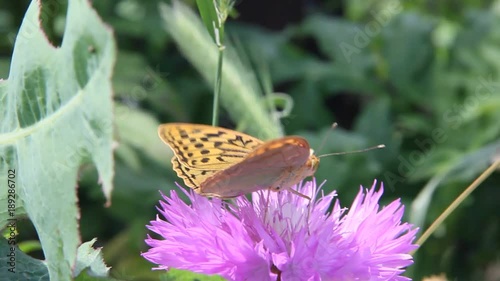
x=453, y=118
x=149, y=82
x=364, y=36
x=72, y=155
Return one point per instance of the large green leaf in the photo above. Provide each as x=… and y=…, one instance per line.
x=15, y=264
x=56, y=110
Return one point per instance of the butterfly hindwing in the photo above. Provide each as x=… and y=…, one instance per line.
x=191, y=177
x=205, y=147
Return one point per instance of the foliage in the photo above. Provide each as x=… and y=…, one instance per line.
x=56, y=108
x=419, y=77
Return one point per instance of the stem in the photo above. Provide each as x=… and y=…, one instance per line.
x=457, y=202
x=217, y=87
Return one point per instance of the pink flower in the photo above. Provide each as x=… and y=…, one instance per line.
x=287, y=238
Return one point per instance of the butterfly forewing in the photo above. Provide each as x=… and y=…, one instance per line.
x=205, y=147
x=272, y=164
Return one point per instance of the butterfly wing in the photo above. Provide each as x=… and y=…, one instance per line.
x=268, y=164
x=206, y=147
x=191, y=177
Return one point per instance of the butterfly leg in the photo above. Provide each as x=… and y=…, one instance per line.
x=266, y=205
x=298, y=193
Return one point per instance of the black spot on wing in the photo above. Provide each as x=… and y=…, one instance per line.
x=184, y=173
x=215, y=135
x=239, y=141
x=183, y=134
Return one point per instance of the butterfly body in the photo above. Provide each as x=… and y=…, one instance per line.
x=223, y=163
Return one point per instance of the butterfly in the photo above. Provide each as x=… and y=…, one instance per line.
x=219, y=162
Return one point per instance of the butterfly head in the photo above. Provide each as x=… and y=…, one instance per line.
x=312, y=163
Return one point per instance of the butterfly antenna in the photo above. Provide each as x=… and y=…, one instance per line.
x=353, y=151
x=334, y=125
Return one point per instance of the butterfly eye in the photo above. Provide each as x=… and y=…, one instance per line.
x=275, y=188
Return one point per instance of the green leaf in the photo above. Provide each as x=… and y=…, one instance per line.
x=208, y=13
x=90, y=259
x=175, y=274
x=348, y=47
x=465, y=169
x=138, y=129
x=16, y=265
x=342, y=41
x=408, y=51
x=241, y=95
x=56, y=110
x=87, y=277
x=29, y=246
x=376, y=123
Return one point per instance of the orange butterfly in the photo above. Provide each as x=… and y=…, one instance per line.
x=219, y=162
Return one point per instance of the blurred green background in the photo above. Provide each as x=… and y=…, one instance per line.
x=421, y=77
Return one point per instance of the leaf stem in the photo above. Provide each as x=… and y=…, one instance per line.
x=217, y=87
